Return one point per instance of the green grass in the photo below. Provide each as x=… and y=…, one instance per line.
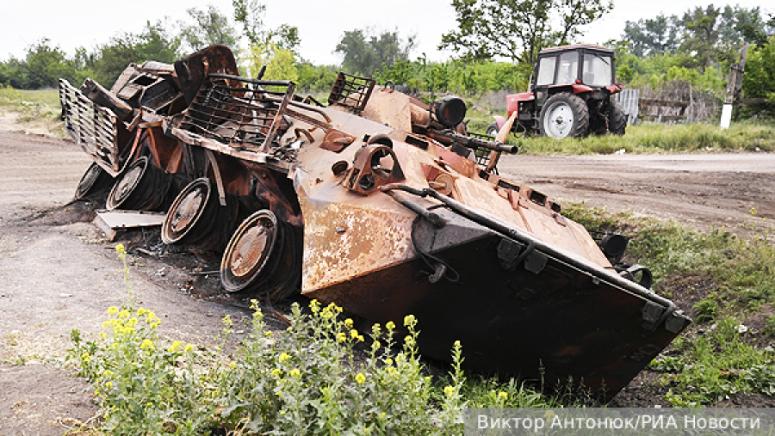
x=646, y=138
x=660, y=138
x=35, y=107
x=728, y=282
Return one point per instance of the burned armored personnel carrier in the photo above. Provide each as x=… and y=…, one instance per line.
x=376, y=201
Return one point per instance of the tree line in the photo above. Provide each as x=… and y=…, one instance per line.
x=495, y=42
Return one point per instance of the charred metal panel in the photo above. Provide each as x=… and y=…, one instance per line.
x=92, y=126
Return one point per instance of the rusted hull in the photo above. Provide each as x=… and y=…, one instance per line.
x=552, y=325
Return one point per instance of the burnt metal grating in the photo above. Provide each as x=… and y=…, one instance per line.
x=238, y=111
x=352, y=92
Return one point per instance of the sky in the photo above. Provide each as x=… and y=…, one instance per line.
x=75, y=23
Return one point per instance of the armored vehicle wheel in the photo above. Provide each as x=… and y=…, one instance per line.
x=94, y=181
x=617, y=119
x=140, y=187
x=192, y=214
x=263, y=256
x=564, y=115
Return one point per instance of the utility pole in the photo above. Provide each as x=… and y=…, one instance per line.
x=734, y=86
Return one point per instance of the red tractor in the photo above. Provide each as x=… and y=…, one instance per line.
x=571, y=94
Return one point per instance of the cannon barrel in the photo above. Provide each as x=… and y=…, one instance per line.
x=476, y=143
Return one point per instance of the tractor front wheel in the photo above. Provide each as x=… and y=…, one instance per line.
x=564, y=115
x=617, y=120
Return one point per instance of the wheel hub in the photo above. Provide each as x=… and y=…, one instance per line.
x=559, y=122
x=127, y=182
x=187, y=210
x=252, y=248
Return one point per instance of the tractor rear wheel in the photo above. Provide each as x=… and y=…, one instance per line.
x=564, y=115
x=617, y=120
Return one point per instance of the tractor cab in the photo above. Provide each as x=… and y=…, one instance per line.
x=587, y=65
x=570, y=94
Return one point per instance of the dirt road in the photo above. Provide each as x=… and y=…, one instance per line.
x=57, y=273
x=732, y=191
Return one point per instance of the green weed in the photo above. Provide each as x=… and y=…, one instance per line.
x=320, y=376
x=715, y=365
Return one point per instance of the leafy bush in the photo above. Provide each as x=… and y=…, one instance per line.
x=320, y=376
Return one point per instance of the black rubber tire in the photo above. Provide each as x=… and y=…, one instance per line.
x=94, y=183
x=617, y=119
x=577, y=105
x=148, y=191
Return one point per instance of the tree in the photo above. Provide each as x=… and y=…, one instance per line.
x=43, y=65
x=365, y=53
x=652, y=35
x=209, y=26
x=518, y=29
x=701, y=34
x=759, y=77
x=249, y=14
x=153, y=43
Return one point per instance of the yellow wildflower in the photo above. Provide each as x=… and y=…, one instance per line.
x=142, y=311
x=348, y=323
x=107, y=373
x=409, y=340
x=456, y=344
x=276, y=372
x=314, y=306
x=188, y=348
x=123, y=314
x=503, y=395
x=147, y=345
x=449, y=391
x=354, y=334
x=109, y=384
x=112, y=310
x=390, y=325
x=388, y=361
x=410, y=321
x=120, y=249
x=232, y=364
x=341, y=337
x=284, y=357
x=360, y=378
x=268, y=334
x=375, y=345
x=175, y=346
x=295, y=373
x=376, y=329
x=85, y=357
